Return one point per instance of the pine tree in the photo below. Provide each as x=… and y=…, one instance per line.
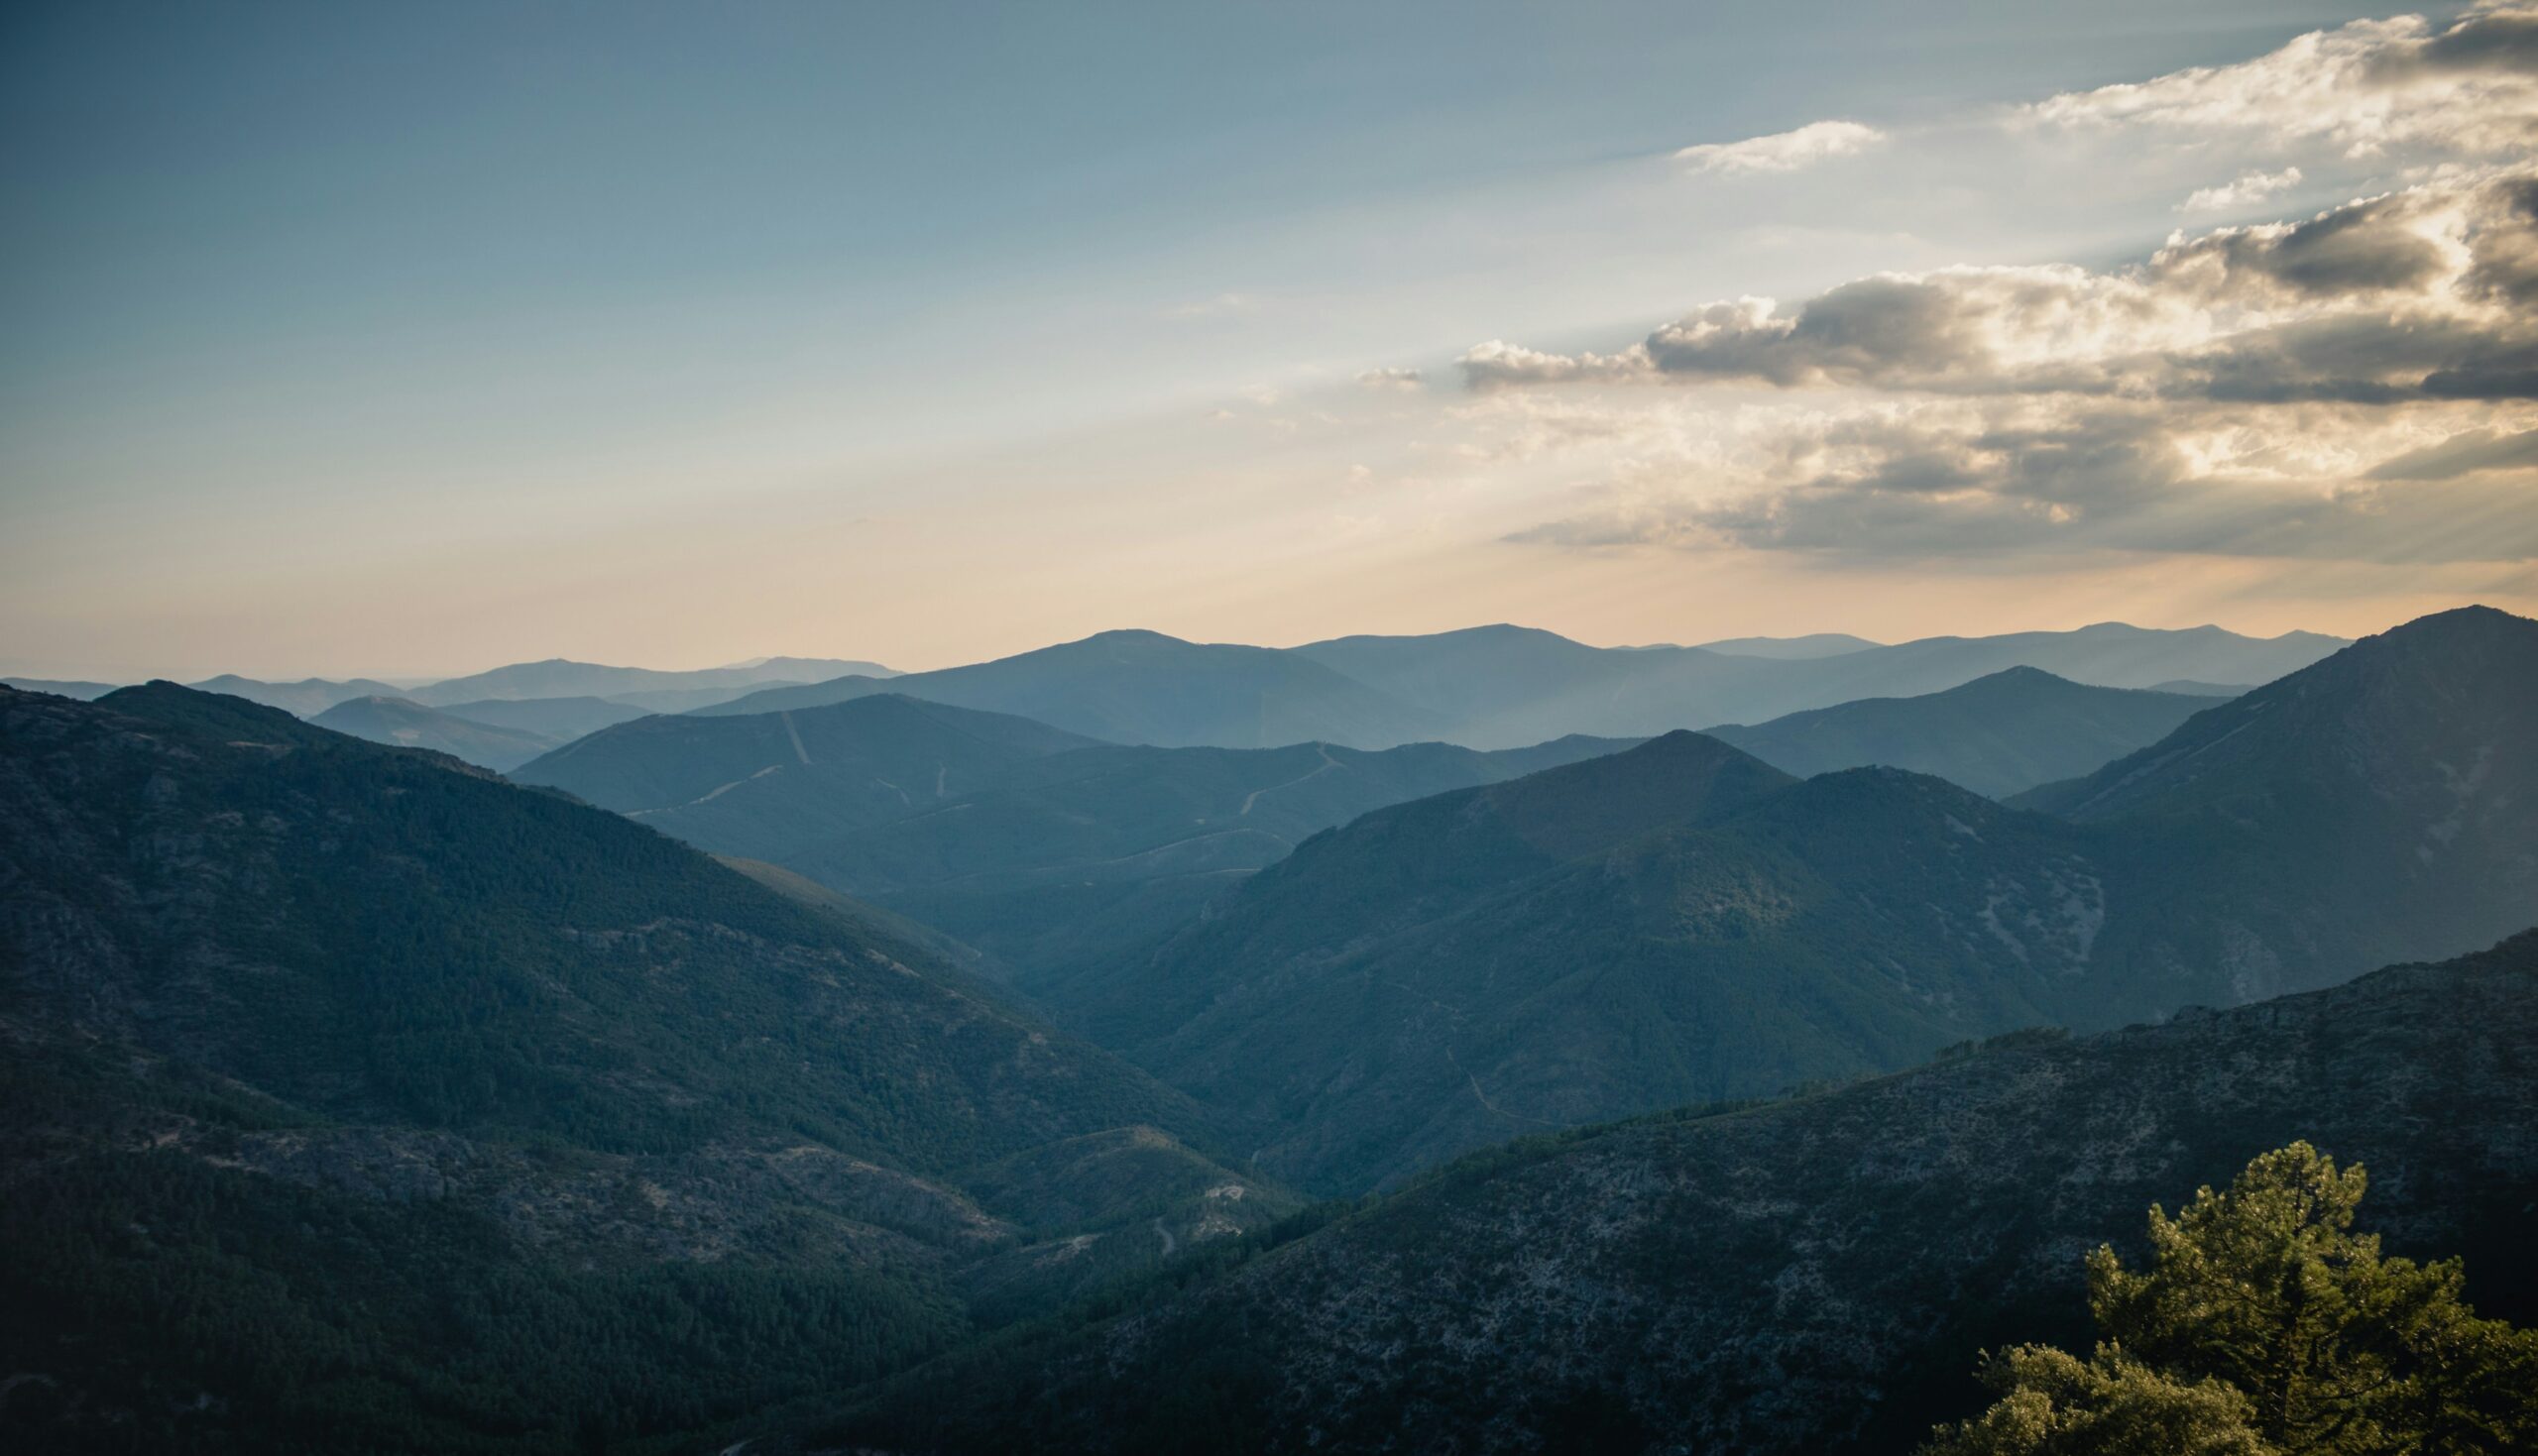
x=2265, y=1326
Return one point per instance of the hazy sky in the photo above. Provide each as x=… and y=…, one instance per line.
x=414, y=339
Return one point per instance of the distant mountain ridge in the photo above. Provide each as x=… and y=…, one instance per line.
x=2001, y=735
x=1816, y=644
x=408, y=724
x=1504, y=685
x=649, y=687
x=1489, y=686
x=1140, y=687
x=306, y=698
x=83, y=691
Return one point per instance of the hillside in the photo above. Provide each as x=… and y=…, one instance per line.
x=405, y=725
x=1675, y=924
x=1998, y=735
x=1137, y=687
x=2380, y=805
x=766, y=785
x=559, y=718
x=1808, y=1276
x=362, y=1099
x=1074, y=859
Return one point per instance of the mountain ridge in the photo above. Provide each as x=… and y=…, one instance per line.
x=1999, y=735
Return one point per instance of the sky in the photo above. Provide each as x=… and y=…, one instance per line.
x=405, y=341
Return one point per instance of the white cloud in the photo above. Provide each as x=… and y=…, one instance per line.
x=2251, y=188
x=2367, y=88
x=1817, y=140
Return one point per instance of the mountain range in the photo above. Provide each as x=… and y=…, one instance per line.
x=1493, y=687
x=1499, y=687
x=968, y=1094
x=653, y=691
x=1681, y=921
x=1504, y=685
x=1139, y=687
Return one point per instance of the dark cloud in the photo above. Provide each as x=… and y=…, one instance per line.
x=2386, y=300
x=2370, y=247
x=2505, y=251
x=2496, y=40
x=2463, y=454
x=2102, y=480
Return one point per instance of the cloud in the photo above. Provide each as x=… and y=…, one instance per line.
x=2366, y=88
x=2411, y=295
x=1498, y=364
x=2358, y=385
x=2361, y=385
x=2251, y=188
x=2041, y=480
x=1817, y=140
x=1402, y=380
x=2463, y=454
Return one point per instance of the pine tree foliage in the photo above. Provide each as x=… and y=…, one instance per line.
x=2265, y=1326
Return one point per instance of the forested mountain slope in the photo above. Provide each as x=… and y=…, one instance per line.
x=360, y=1099
x=1811, y=1275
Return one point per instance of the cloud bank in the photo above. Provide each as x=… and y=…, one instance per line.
x=2367, y=87
x=2358, y=384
